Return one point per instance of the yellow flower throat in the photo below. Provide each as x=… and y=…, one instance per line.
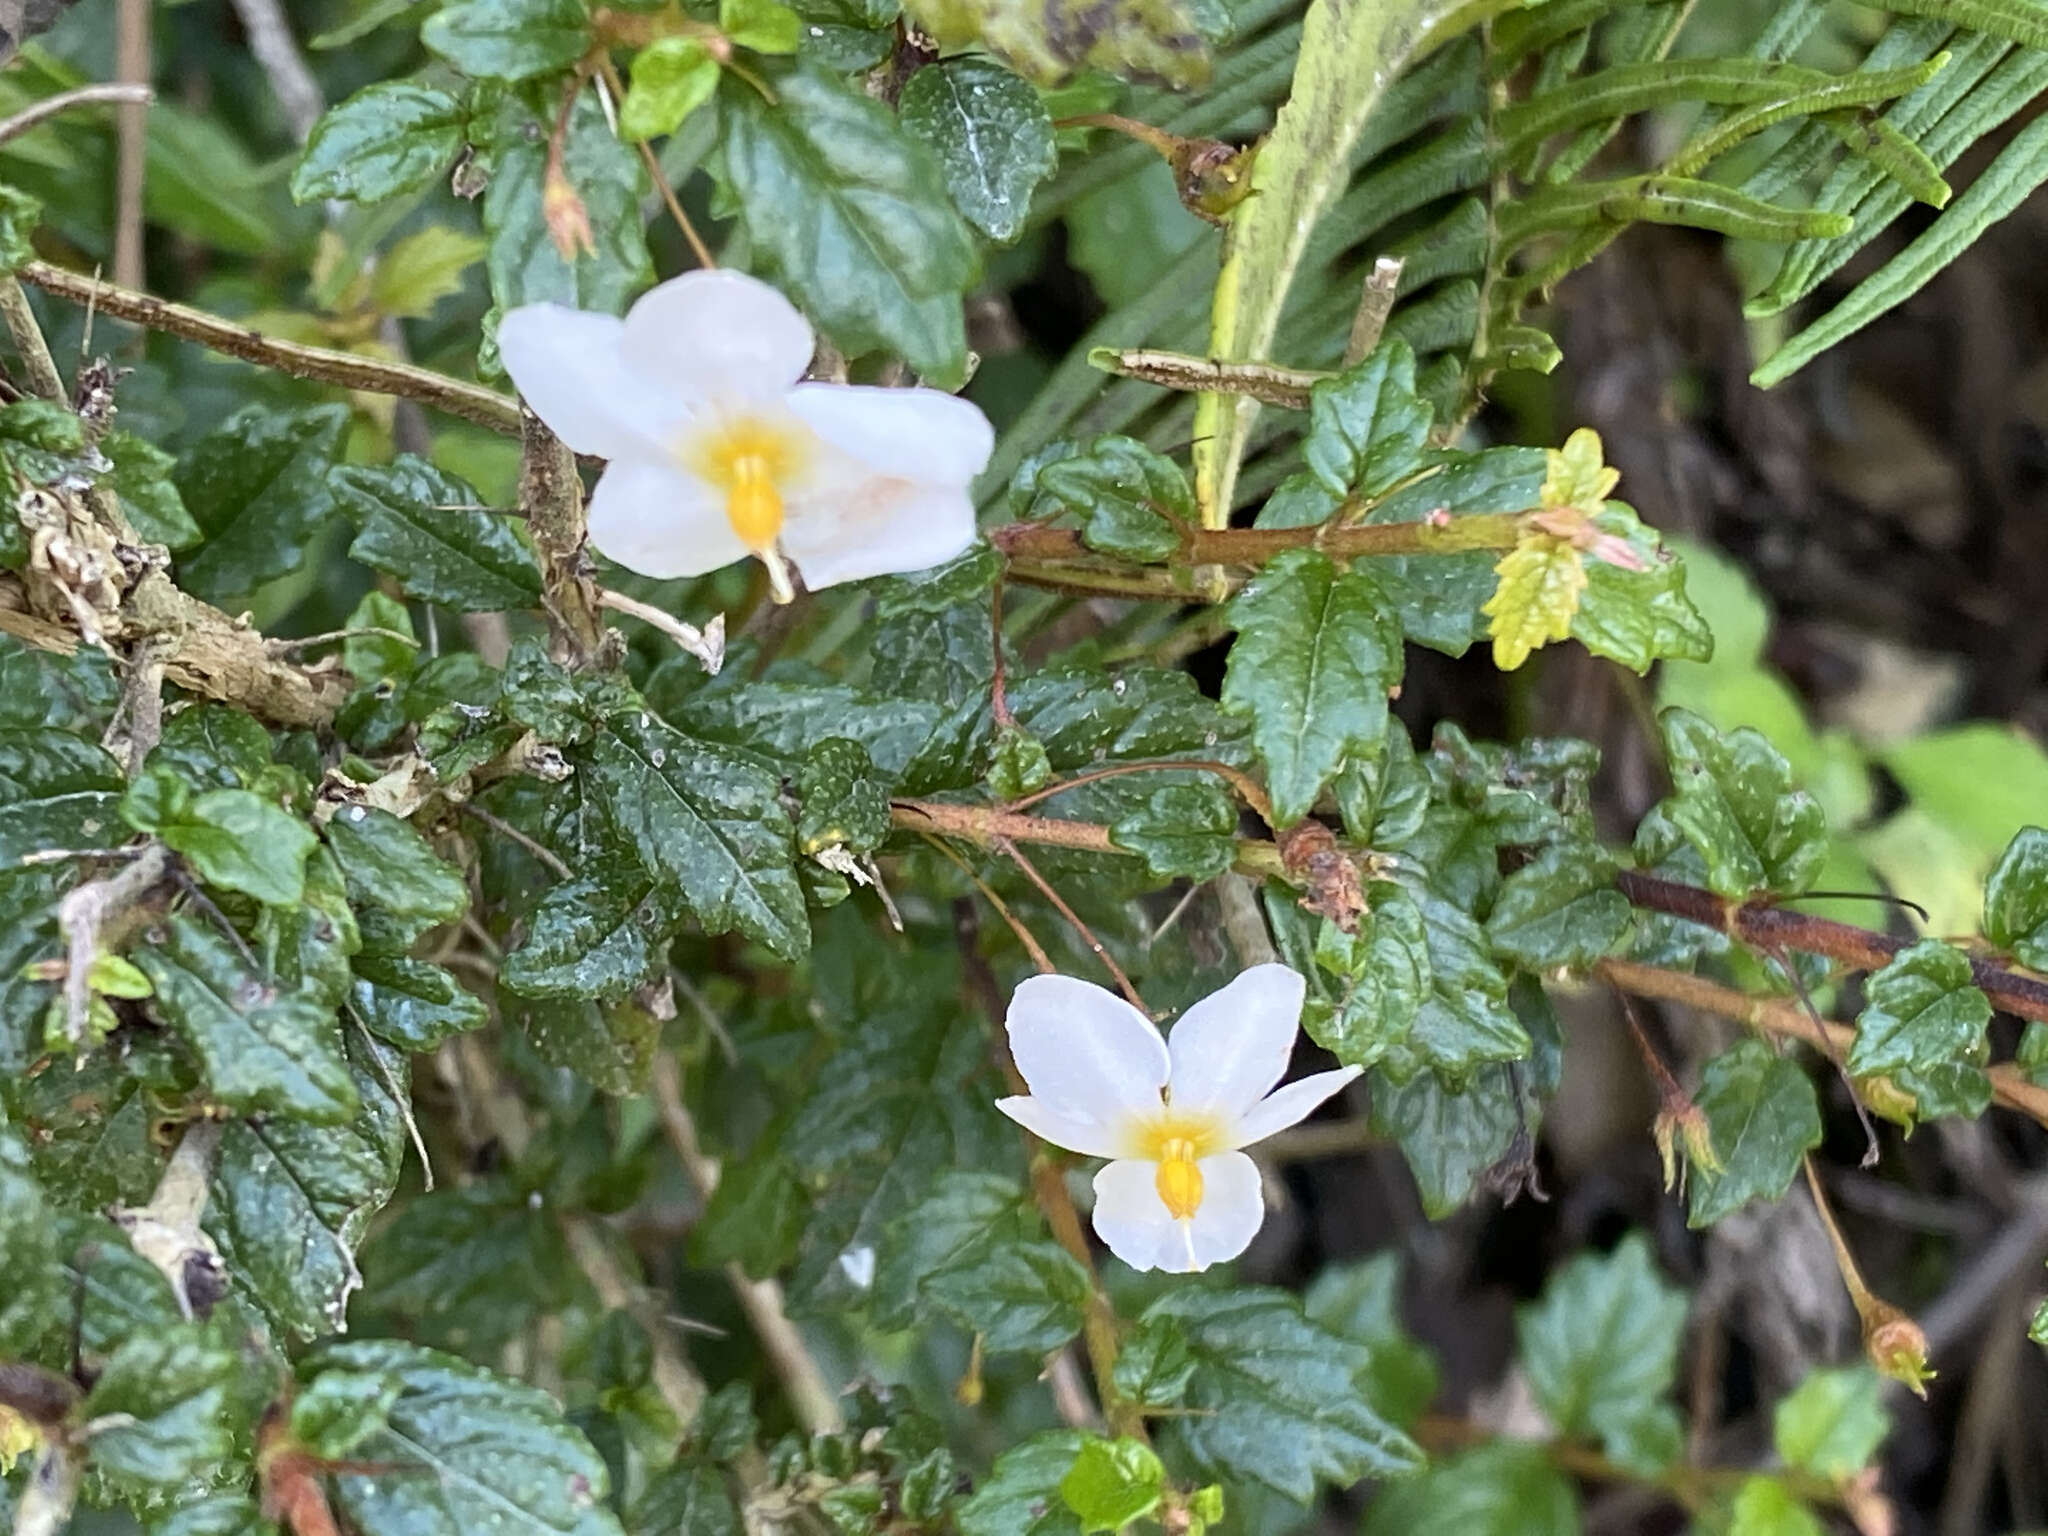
x=751, y=461
x=1178, y=1142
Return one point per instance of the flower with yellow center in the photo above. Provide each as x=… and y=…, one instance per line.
x=716, y=449
x=1171, y=1115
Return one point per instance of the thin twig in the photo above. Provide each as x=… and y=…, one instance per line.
x=1375, y=304
x=85, y=95
x=328, y=637
x=1096, y=946
x=132, y=66
x=678, y=1383
x=407, y=381
x=1015, y=923
x=706, y=644
x=810, y=1395
x=610, y=74
x=1246, y=787
x=27, y=336
x=88, y=916
x=277, y=54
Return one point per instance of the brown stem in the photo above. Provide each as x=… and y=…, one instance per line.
x=27, y=337
x=1095, y=946
x=552, y=497
x=1267, y=383
x=1375, y=304
x=471, y=402
x=131, y=129
x=1254, y=546
x=987, y=827
x=648, y=158
x=1767, y=927
x=136, y=93
x=1247, y=790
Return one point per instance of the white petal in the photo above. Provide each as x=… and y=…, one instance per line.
x=718, y=336
x=907, y=434
x=570, y=367
x=651, y=517
x=1233, y=1205
x=841, y=530
x=1233, y=1046
x=1292, y=1104
x=1134, y=1221
x=1087, y=1054
x=1076, y=1133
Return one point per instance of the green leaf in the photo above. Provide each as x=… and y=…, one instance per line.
x=1315, y=655
x=509, y=39
x=292, y=1202
x=338, y=1410
x=213, y=746
x=1601, y=1346
x=710, y=822
x=234, y=838
x=19, y=216
x=257, y=487
x=845, y=802
x=523, y=263
x=992, y=135
x=386, y=140
x=463, y=1445
x=411, y=1004
x=1642, y=616
x=688, y=1499
x=2016, y=899
x=1154, y=1368
x=142, y=478
x=477, y=1263
x=165, y=1391
x=852, y=213
x=1021, y=1494
x=2021, y=166
x=32, y=1289
x=1112, y=1483
x=1362, y=1302
x=1131, y=501
x=766, y=26
x=609, y=1045
x=1464, y=1021
x=1764, y=1506
x=755, y=1218
x=397, y=884
x=1136, y=39
x=1833, y=1423
x=413, y=527
x=1508, y=1488
x=1923, y=1010
x=671, y=78
x=56, y=791
x=1368, y=430
x=264, y=1051
x=1736, y=805
x=1385, y=974
x=1763, y=1117
x=1559, y=909
x=592, y=938
x=1275, y=1398
x=1181, y=831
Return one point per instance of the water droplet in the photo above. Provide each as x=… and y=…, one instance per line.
x=356, y=813
x=658, y=757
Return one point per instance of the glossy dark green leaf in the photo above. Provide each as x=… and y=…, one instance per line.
x=710, y=822
x=32, y=1289
x=292, y=1202
x=755, y=1217
x=263, y=1050
x=1763, y=1118
x=992, y=135
x=257, y=487
x=1464, y=1021
x=336, y=1411
x=56, y=791
x=1181, y=831
x=89, y=1131
x=417, y=526
x=28, y=932
x=1561, y=908
x=1316, y=652
x=398, y=885
x=610, y=1045
x=1154, y=1367
x=213, y=746
x=1922, y=1010
x=1833, y=1422
x=19, y=216
x=1735, y=803
x=1382, y=974
x=1367, y=432
x=852, y=212
x=1021, y=1494
x=524, y=265
x=476, y=1263
x=1275, y=1397
x=2016, y=899
x=1130, y=501
x=844, y=800
x=509, y=39
x=1450, y=1139
x=1112, y=1483
x=1508, y=1488
x=592, y=938
x=386, y=140
x=1362, y=1302
x=1601, y=1346
x=142, y=477
x=688, y=1499
x=412, y=1004
x=485, y=1449
x=67, y=693
x=165, y=1392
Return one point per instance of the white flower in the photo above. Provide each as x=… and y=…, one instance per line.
x=716, y=451
x=1170, y=1114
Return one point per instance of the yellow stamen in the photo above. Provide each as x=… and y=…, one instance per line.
x=754, y=461
x=752, y=503
x=1179, y=1180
